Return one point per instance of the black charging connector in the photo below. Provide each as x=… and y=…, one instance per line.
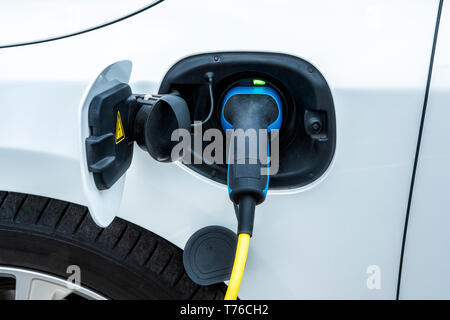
x=118, y=118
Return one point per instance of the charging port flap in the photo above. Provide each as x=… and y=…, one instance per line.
x=105, y=151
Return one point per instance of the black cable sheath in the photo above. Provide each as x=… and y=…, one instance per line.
x=246, y=217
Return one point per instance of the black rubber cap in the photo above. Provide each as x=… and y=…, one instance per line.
x=209, y=255
x=155, y=123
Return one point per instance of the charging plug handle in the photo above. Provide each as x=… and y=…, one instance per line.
x=256, y=108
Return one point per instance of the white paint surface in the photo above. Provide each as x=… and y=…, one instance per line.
x=427, y=252
x=313, y=243
x=30, y=20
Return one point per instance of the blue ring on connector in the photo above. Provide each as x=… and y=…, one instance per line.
x=253, y=90
x=274, y=125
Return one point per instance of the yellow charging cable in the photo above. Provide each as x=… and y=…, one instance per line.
x=238, y=266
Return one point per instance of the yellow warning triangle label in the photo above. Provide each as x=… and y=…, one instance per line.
x=120, y=134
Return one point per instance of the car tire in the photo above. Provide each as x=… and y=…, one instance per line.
x=122, y=261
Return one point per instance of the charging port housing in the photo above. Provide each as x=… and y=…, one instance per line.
x=308, y=132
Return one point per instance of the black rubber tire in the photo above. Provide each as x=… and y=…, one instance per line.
x=122, y=261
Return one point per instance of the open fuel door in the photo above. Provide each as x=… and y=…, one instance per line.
x=106, y=150
x=111, y=119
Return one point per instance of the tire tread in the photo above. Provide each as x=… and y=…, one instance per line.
x=122, y=241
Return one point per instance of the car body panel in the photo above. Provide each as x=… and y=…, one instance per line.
x=427, y=257
x=314, y=242
x=31, y=21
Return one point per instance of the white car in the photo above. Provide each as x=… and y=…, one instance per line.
x=357, y=208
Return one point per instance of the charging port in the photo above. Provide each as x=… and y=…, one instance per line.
x=308, y=132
